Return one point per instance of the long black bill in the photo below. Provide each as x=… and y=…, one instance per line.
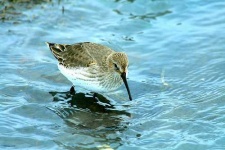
x=123, y=76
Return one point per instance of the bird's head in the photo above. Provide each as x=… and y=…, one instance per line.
x=118, y=63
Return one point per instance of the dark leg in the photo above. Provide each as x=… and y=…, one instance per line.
x=72, y=90
x=95, y=95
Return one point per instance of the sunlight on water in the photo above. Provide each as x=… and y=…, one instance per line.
x=176, y=75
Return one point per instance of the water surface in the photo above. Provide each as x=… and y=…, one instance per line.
x=176, y=75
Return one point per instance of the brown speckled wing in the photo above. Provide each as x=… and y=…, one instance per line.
x=98, y=52
x=71, y=55
x=80, y=54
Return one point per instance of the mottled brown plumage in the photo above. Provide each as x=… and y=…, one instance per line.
x=92, y=66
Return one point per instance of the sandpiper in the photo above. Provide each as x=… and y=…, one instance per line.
x=92, y=66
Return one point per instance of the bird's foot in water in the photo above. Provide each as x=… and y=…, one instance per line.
x=72, y=90
x=95, y=95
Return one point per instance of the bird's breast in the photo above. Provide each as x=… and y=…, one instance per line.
x=91, y=79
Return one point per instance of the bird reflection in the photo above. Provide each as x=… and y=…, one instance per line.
x=88, y=111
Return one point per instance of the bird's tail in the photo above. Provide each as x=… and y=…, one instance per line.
x=56, y=49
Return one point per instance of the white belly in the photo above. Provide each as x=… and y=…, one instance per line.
x=82, y=78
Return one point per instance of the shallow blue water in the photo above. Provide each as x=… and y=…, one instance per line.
x=176, y=51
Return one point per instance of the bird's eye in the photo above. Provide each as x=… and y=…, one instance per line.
x=116, y=67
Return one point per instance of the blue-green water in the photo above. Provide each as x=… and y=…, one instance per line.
x=176, y=51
